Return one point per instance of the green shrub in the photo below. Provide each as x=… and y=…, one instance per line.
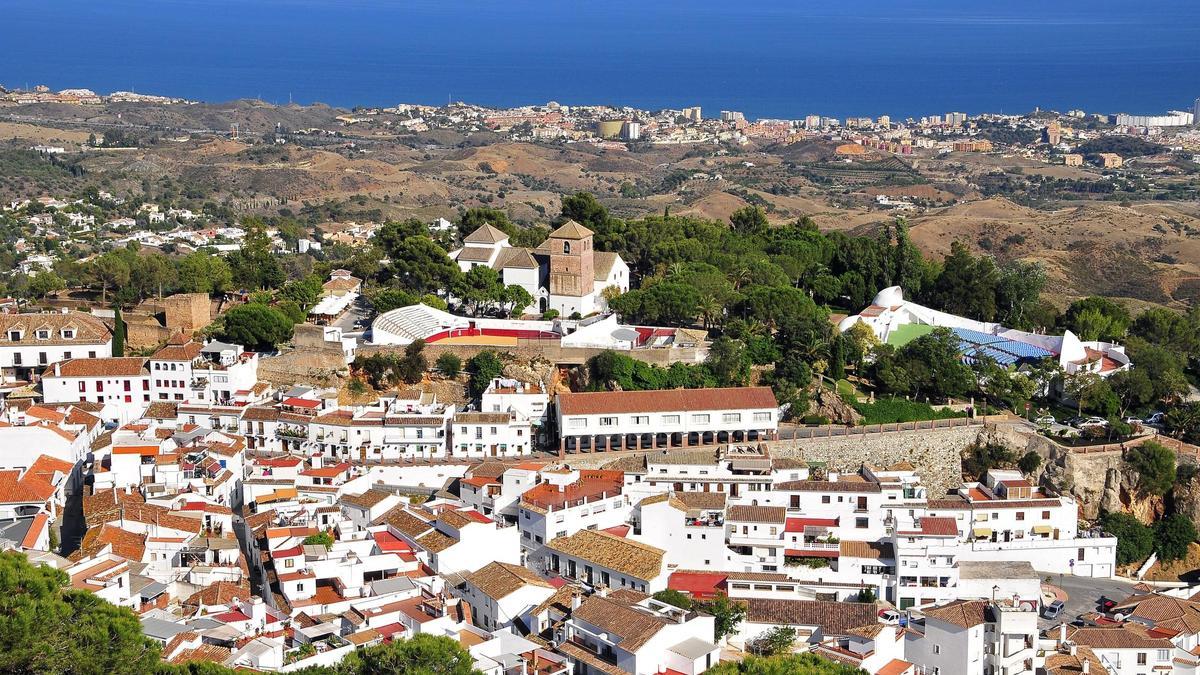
x=1172, y=537
x=895, y=410
x=1134, y=540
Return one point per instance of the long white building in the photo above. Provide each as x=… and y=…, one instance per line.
x=594, y=421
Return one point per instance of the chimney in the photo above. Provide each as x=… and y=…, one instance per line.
x=576, y=600
x=1073, y=649
x=1085, y=665
x=1062, y=632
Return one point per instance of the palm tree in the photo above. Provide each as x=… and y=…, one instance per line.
x=709, y=308
x=740, y=277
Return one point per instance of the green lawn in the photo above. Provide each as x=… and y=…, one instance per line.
x=907, y=333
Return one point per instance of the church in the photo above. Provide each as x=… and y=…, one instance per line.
x=565, y=273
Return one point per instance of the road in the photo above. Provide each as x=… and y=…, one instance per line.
x=1082, y=595
x=357, y=310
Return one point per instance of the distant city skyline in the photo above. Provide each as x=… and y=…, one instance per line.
x=768, y=59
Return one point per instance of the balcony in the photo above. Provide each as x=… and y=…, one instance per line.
x=291, y=432
x=710, y=521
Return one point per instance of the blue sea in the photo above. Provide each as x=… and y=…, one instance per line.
x=768, y=58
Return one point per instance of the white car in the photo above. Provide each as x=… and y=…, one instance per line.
x=1045, y=420
x=1092, y=422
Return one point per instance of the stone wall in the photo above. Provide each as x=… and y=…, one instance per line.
x=936, y=454
x=549, y=350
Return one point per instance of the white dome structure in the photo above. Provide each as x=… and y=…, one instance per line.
x=889, y=297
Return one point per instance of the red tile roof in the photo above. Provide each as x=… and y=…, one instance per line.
x=591, y=484
x=798, y=524
x=700, y=585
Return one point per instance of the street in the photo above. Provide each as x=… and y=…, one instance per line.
x=359, y=309
x=1082, y=595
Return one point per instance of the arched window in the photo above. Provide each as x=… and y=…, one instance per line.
x=566, y=247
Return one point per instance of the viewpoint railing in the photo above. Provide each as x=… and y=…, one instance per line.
x=836, y=430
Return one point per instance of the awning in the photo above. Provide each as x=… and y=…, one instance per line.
x=981, y=532
x=1043, y=529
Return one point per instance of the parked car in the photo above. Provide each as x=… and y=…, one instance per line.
x=1091, y=422
x=892, y=617
x=1052, y=610
x=1045, y=420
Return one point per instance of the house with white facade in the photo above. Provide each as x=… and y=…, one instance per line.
x=31, y=342
x=607, y=634
x=975, y=636
x=603, y=560
x=491, y=434
x=502, y=595
x=569, y=500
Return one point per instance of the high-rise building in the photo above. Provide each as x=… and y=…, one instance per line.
x=1196, y=112
x=812, y=122
x=732, y=116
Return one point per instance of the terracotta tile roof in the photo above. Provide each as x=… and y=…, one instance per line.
x=936, y=526
x=485, y=234
x=602, y=263
x=220, y=593
x=128, y=545
x=702, y=500
x=260, y=414
x=117, y=366
x=327, y=471
x=570, y=230
x=367, y=499
x=633, y=626
x=628, y=557
x=615, y=402
x=833, y=618
x=205, y=652
x=757, y=514
x=866, y=549
x=162, y=410
x=498, y=580
x=16, y=488
x=89, y=329
x=178, y=352
x=482, y=418
x=435, y=542
x=961, y=613
x=1067, y=664
x=1127, y=635
x=829, y=486
x=1163, y=611
x=515, y=257
x=592, y=484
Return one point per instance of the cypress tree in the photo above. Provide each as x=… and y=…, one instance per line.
x=118, y=341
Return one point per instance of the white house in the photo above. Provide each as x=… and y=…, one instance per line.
x=30, y=342
x=975, y=636
x=600, y=559
x=502, y=595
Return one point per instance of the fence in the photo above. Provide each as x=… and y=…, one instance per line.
x=834, y=430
